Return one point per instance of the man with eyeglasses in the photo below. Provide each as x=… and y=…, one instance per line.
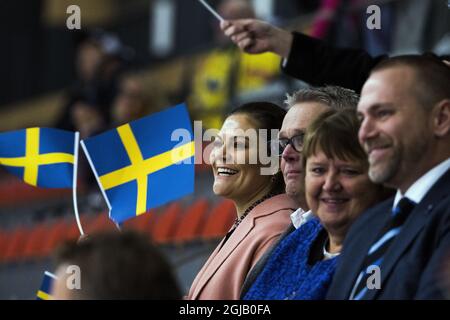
x=305, y=105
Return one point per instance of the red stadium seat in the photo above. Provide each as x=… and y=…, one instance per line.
x=16, y=244
x=143, y=223
x=57, y=235
x=4, y=240
x=191, y=222
x=220, y=220
x=100, y=223
x=15, y=192
x=35, y=241
x=164, y=229
x=73, y=232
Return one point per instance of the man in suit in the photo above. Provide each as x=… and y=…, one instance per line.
x=395, y=249
x=305, y=105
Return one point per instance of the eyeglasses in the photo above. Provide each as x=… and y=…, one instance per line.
x=278, y=145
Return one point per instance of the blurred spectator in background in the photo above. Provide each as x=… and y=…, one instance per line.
x=323, y=62
x=225, y=72
x=115, y=266
x=131, y=102
x=343, y=23
x=101, y=58
x=304, y=57
x=86, y=117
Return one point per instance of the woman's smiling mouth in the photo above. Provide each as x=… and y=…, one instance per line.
x=226, y=172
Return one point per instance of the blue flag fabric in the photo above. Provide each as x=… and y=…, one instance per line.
x=145, y=163
x=42, y=157
x=44, y=292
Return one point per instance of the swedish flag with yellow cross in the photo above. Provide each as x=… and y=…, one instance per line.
x=145, y=163
x=44, y=292
x=42, y=157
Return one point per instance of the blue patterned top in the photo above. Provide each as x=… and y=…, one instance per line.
x=287, y=273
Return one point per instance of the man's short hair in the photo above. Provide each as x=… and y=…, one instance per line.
x=335, y=97
x=432, y=76
x=117, y=265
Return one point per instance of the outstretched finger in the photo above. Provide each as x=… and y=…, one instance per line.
x=246, y=44
x=225, y=24
x=233, y=28
x=241, y=36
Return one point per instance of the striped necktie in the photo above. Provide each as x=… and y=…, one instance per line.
x=378, y=249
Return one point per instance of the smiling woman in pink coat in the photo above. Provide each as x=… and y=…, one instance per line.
x=257, y=190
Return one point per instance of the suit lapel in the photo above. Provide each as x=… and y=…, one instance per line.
x=415, y=222
x=352, y=264
x=412, y=227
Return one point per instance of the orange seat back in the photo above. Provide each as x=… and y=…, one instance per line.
x=220, y=220
x=164, y=229
x=192, y=222
x=16, y=244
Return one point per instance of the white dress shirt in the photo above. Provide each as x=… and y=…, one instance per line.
x=420, y=188
x=299, y=217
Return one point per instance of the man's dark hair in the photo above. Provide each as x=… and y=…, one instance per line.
x=432, y=76
x=117, y=265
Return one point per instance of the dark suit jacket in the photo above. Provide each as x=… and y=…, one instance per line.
x=318, y=64
x=412, y=262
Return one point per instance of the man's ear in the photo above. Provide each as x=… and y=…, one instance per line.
x=441, y=118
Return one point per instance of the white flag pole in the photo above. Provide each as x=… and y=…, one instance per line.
x=210, y=9
x=91, y=164
x=74, y=186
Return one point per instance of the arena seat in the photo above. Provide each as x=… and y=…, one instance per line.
x=143, y=223
x=191, y=222
x=219, y=220
x=56, y=236
x=16, y=244
x=164, y=229
x=100, y=223
x=15, y=192
x=4, y=240
x=35, y=241
x=73, y=233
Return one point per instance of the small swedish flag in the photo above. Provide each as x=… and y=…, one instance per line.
x=42, y=157
x=143, y=164
x=46, y=286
